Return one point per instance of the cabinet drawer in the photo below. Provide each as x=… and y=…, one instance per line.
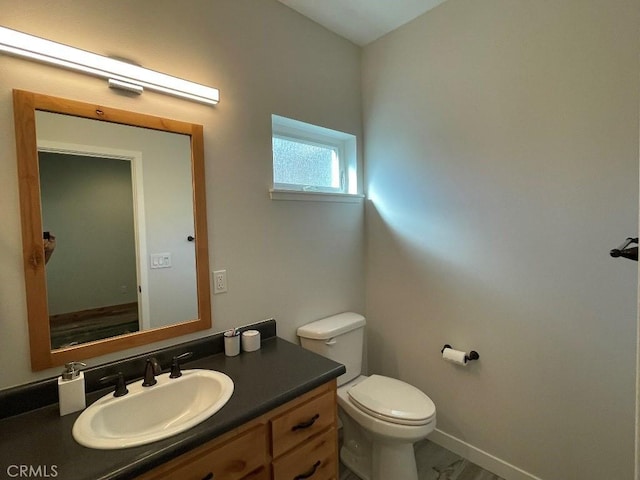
x=315, y=460
x=231, y=460
x=262, y=474
x=297, y=425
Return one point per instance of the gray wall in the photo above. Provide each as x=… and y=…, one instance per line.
x=95, y=255
x=502, y=166
x=295, y=261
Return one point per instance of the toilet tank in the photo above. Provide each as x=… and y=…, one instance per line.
x=340, y=338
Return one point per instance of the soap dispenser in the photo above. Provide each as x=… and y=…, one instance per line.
x=71, y=388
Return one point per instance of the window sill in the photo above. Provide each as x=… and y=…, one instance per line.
x=276, y=194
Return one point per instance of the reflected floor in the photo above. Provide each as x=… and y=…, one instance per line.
x=89, y=325
x=437, y=463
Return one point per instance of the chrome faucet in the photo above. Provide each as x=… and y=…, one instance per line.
x=150, y=371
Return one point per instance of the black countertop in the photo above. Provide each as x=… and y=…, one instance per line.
x=277, y=373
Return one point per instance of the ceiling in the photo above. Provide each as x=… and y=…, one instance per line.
x=361, y=21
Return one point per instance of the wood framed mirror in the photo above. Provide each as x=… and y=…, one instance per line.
x=114, y=236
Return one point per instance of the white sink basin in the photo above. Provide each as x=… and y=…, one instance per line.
x=148, y=414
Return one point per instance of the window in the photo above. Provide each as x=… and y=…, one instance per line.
x=312, y=159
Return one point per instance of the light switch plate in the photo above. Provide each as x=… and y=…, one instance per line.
x=160, y=260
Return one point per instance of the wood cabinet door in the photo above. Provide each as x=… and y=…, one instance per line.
x=230, y=460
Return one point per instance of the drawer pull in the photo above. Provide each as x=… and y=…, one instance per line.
x=310, y=473
x=208, y=476
x=306, y=424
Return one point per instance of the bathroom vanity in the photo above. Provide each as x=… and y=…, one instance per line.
x=279, y=423
x=296, y=440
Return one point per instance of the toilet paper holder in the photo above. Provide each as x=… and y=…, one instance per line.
x=472, y=355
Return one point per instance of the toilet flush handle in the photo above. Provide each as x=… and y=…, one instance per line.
x=331, y=341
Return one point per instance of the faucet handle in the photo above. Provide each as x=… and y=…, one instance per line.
x=175, y=364
x=118, y=380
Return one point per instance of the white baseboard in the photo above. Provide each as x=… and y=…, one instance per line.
x=480, y=457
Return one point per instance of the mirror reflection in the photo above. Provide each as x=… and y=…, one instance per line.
x=87, y=215
x=113, y=225
x=117, y=200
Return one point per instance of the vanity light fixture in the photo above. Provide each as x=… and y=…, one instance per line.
x=120, y=74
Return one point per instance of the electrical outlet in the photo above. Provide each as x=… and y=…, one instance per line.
x=219, y=281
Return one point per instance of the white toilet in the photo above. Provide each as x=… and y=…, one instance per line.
x=382, y=417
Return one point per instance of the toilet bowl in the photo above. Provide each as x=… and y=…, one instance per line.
x=382, y=417
x=378, y=440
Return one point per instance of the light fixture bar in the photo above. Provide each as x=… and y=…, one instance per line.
x=35, y=48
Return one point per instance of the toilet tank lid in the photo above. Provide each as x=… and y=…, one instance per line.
x=331, y=326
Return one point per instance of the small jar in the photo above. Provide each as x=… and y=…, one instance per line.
x=250, y=340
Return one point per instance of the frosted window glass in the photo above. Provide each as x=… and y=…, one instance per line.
x=298, y=163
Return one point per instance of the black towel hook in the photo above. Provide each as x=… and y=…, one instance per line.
x=624, y=251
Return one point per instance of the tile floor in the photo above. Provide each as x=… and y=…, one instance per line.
x=437, y=463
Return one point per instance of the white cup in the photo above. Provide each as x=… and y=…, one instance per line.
x=250, y=340
x=231, y=344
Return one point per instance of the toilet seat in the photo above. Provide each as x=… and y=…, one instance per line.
x=392, y=400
